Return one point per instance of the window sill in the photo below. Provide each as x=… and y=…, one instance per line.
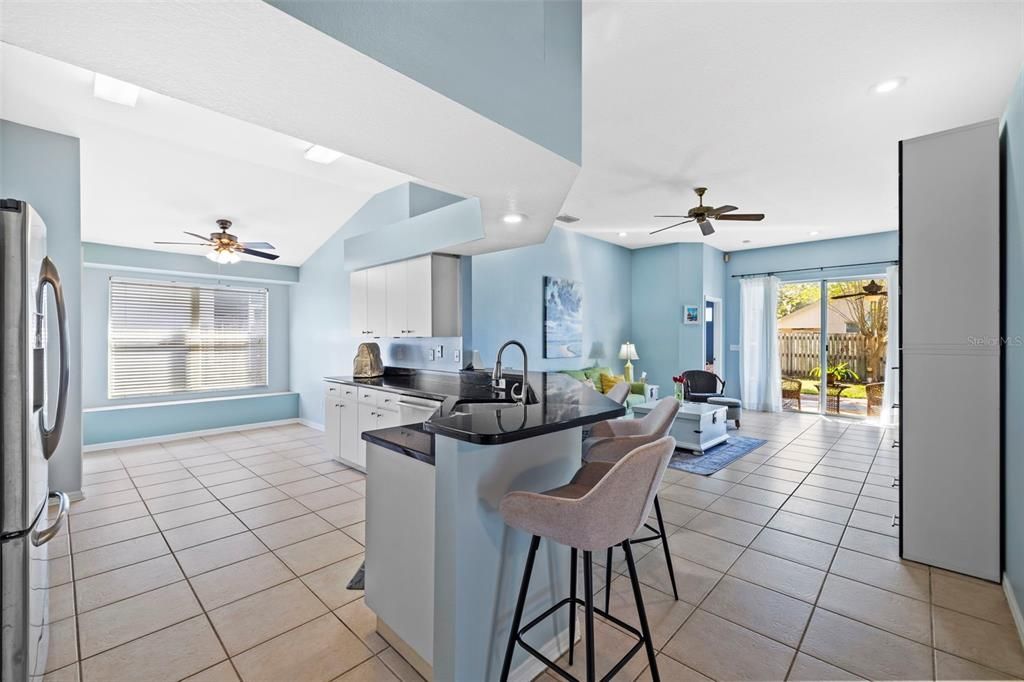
x=191, y=401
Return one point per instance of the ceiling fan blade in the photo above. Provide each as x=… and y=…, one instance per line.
x=259, y=254
x=742, y=216
x=706, y=228
x=671, y=226
x=182, y=243
x=197, y=236
x=725, y=209
x=259, y=245
x=671, y=216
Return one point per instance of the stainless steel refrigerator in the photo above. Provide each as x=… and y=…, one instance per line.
x=28, y=436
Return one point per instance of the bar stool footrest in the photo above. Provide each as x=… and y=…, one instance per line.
x=601, y=612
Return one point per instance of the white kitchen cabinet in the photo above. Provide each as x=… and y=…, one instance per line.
x=368, y=302
x=421, y=297
x=398, y=301
x=350, y=410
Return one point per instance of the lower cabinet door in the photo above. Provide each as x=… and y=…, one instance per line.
x=348, y=429
x=332, y=426
x=368, y=420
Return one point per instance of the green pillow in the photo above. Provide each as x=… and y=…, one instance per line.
x=638, y=388
x=594, y=374
x=577, y=374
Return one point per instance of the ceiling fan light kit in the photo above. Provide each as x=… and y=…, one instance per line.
x=700, y=214
x=226, y=247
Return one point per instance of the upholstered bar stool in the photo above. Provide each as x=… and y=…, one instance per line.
x=603, y=505
x=611, y=440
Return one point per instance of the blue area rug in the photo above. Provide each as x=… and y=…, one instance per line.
x=718, y=457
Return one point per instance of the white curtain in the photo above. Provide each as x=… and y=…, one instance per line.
x=760, y=373
x=892, y=350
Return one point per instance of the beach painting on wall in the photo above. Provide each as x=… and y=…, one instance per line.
x=563, y=318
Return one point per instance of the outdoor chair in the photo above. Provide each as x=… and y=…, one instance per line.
x=875, y=392
x=791, y=390
x=699, y=385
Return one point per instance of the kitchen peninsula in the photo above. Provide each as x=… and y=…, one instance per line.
x=442, y=569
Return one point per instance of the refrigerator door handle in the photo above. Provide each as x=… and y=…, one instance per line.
x=48, y=275
x=41, y=537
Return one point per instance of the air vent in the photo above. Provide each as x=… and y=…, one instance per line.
x=566, y=218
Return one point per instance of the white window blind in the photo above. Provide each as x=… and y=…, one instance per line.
x=172, y=338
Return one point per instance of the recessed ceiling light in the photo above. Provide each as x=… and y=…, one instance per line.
x=814, y=233
x=746, y=241
x=318, y=154
x=622, y=234
x=888, y=85
x=114, y=90
x=513, y=218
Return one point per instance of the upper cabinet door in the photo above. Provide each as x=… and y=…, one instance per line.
x=357, y=303
x=397, y=286
x=418, y=298
x=376, y=301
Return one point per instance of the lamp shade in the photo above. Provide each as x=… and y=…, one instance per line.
x=628, y=352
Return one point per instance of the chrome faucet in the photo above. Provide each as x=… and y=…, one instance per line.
x=498, y=380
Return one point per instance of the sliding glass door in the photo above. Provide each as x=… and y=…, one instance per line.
x=799, y=325
x=832, y=346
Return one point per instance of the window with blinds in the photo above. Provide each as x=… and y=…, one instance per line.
x=172, y=338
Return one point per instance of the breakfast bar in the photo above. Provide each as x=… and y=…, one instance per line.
x=442, y=568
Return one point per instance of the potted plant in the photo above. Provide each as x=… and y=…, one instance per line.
x=836, y=373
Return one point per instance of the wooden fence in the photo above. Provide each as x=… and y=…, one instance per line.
x=799, y=352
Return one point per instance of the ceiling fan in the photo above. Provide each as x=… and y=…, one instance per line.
x=226, y=247
x=701, y=213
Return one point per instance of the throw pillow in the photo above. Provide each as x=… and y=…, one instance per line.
x=609, y=380
x=638, y=388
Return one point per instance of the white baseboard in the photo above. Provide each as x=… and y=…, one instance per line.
x=311, y=424
x=96, y=447
x=1011, y=599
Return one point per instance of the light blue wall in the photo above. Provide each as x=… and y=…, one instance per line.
x=42, y=168
x=108, y=425
x=103, y=262
x=508, y=299
x=149, y=260
x=1012, y=142
x=665, y=279
x=517, y=63
x=429, y=232
x=830, y=252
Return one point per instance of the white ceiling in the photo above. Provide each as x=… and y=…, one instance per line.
x=247, y=60
x=770, y=106
x=164, y=166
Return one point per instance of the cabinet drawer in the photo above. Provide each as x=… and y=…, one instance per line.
x=332, y=390
x=367, y=395
x=388, y=401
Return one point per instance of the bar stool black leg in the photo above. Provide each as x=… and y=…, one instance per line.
x=588, y=591
x=572, y=608
x=608, y=581
x=664, y=545
x=641, y=612
x=520, y=605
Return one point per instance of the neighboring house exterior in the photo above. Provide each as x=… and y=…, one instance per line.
x=808, y=318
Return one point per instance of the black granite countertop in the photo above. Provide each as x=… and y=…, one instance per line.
x=475, y=412
x=410, y=440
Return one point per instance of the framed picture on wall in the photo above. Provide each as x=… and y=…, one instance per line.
x=563, y=318
x=691, y=314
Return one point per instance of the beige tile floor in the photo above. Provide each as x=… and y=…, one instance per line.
x=226, y=558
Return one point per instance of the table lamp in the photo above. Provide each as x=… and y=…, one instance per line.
x=627, y=352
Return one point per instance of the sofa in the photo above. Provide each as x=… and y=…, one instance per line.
x=638, y=389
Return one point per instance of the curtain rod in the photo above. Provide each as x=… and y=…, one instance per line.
x=819, y=269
